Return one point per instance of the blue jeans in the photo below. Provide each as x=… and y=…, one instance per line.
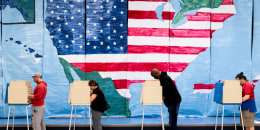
x=173, y=114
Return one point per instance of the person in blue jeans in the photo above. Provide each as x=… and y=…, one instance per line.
x=171, y=96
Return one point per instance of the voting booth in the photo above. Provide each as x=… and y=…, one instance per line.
x=79, y=94
x=228, y=92
x=17, y=94
x=151, y=94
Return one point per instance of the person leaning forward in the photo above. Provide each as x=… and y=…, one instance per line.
x=171, y=96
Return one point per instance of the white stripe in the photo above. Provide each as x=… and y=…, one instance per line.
x=148, y=6
x=128, y=58
x=156, y=23
x=227, y=9
x=202, y=91
x=151, y=6
x=182, y=58
x=164, y=41
x=124, y=92
x=194, y=42
x=117, y=75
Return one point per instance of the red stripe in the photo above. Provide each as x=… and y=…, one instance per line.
x=165, y=32
x=141, y=67
x=199, y=16
x=125, y=84
x=133, y=14
x=164, y=49
x=225, y=2
x=150, y=0
x=204, y=86
x=255, y=80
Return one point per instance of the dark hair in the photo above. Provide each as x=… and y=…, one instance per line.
x=241, y=76
x=94, y=83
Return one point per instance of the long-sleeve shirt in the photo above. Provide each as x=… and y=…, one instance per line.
x=170, y=92
x=39, y=94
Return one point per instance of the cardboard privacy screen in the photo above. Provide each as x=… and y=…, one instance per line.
x=151, y=93
x=228, y=92
x=18, y=92
x=79, y=93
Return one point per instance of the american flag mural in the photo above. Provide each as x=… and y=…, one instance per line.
x=124, y=40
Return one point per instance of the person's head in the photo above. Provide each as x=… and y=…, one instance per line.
x=155, y=73
x=37, y=77
x=93, y=84
x=241, y=77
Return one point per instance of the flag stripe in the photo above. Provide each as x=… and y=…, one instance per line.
x=225, y=2
x=141, y=67
x=199, y=16
x=125, y=84
x=165, y=32
x=142, y=23
x=165, y=41
x=129, y=58
x=152, y=6
x=123, y=75
x=164, y=49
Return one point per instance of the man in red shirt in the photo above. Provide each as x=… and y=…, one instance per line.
x=37, y=99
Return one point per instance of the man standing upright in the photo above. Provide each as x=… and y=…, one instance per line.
x=171, y=96
x=37, y=99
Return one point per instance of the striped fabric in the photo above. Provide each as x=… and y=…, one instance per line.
x=153, y=43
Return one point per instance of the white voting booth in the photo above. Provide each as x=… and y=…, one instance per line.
x=151, y=94
x=228, y=92
x=79, y=94
x=18, y=94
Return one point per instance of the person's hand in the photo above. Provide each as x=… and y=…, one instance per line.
x=163, y=98
x=30, y=96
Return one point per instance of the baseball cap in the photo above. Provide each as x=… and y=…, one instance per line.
x=37, y=74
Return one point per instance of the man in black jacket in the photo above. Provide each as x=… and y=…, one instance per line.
x=171, y=96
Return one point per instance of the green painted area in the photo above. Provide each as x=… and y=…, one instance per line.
x=188, y=5
x=27, y=6
x=119, y=105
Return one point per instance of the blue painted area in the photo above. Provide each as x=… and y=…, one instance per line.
x=159, y=11
x=106, y=26
x=18, y=14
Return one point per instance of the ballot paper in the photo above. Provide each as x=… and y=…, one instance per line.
x=18, y=92
x=151, y=93
x=79, y=93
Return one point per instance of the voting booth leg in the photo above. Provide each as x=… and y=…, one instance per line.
x=241, y=117
x=8, y=118
x=89, y=118
x=75, y=117
x=222, y=118
x=143, y=119
x=162, y=118
x=216, y=119
x=13, y=118
x=235, y=117
x=27, y=117
x=71, y=116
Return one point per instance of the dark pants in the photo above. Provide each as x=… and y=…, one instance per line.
x=173, y=114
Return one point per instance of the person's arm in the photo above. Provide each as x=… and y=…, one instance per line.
x=40, y=91
x=246, y=97
x=93, y=97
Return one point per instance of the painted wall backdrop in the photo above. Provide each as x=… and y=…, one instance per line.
x=118, y=42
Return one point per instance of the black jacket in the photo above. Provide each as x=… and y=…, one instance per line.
x=170, y=92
